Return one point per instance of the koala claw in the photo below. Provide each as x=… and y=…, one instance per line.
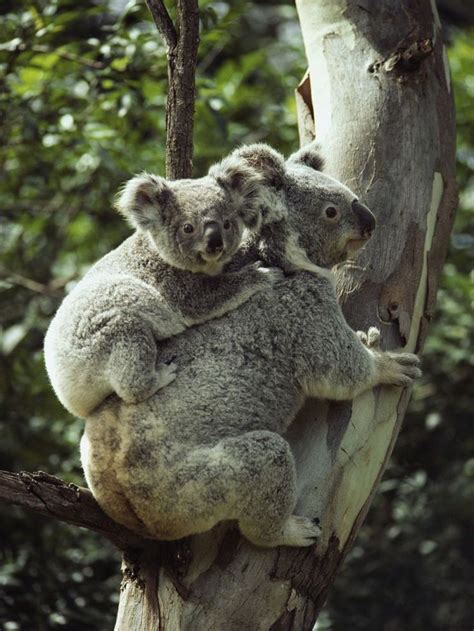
x=371, y=339
x=165, y=374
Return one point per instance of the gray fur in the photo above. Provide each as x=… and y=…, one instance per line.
x=209, y=447
x=160, y=281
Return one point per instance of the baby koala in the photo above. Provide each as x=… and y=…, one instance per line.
x=165, y=278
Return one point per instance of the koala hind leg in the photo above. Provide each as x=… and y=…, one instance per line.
x=249, y=478
x=265, y=491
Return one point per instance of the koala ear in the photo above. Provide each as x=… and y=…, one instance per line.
x=266, y=161
x=310, y=155
x=244, y=184
x=144, y=201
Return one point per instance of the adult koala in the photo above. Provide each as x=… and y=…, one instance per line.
x=208, y=447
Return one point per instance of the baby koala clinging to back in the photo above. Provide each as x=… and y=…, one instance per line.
x=164, y=278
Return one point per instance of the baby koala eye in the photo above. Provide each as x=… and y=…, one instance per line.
x=188, y=228
x=331, y=212
x=226, y=225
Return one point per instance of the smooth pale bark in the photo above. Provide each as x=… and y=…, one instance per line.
x=383, y=112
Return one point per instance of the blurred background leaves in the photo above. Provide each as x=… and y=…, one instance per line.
x=82, y=93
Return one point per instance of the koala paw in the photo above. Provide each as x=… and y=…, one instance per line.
x=398, y=369
x=371, y=339
x=165, y=374
x=139, y=387
x=300, y=531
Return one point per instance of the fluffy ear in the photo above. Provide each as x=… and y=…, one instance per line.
x=144, y=201
x=244, y=184
x=310, y=155
x=266, y=161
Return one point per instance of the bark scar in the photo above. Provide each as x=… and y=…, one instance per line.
x=405, y=59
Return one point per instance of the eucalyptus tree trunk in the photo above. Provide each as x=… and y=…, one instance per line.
x=378, y=98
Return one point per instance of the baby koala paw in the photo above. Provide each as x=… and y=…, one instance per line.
x=270, y=275
x=398, y=369
x=134, y=392
x=371, y=339
x=164, y=375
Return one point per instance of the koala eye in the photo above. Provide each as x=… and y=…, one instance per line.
x=331, y=212
x=226, y=225
x=188, y=228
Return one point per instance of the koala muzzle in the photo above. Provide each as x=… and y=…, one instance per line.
x=213, y=237
x=365, y=217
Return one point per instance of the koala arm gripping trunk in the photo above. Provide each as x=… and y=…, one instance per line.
x=208, y=297
x=365, y=367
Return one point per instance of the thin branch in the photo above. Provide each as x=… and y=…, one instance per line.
x=54, y=287
x=48, y=495
x=64, y=54
x=163, y=22
x=182, y=42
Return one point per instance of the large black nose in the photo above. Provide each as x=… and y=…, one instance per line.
x=365, y=217
x=213, y=237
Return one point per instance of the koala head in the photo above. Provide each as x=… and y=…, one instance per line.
x=195, y=225
x=331, y=222
x=325, y=221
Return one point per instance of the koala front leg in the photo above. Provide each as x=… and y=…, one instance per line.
x=361, y=365
x=212, y=297
x=132, y=369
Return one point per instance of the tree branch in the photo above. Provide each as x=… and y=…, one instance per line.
x=163, y=22
x=182, y=42
x=48, y=495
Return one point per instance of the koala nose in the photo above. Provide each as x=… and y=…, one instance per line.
x=365, y=217
x=213, y=236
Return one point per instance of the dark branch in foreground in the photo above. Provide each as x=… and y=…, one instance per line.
x=45, y=494
x=182, y=41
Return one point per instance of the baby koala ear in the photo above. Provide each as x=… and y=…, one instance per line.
x=244, y=185
x=310, y=155
x=144, y=201
x=266, y=161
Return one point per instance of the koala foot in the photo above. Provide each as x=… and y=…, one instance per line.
x=300, y=531
x=397, y=369
x=297, y=531
x=371, y=339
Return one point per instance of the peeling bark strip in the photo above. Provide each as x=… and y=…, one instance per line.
x=182, y=41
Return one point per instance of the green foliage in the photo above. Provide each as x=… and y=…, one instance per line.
x=82, y=94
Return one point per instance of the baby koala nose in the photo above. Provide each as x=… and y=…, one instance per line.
x=213, y=236
x=365, y=217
